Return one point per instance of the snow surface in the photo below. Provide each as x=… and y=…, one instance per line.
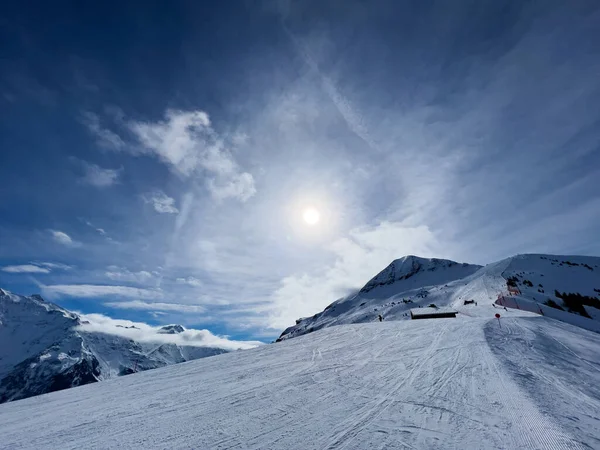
x=463, y=383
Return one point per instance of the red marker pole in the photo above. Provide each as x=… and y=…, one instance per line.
x=498, y=317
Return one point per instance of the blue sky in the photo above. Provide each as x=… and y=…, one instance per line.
x=156, y=161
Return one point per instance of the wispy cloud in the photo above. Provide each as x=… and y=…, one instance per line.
x=146, y=333
x=35, y=267
x=352, y=117
x=98, y=176
x=53, y=265
x=64, y=239
x=187, y=143
x=100, y=231
x=116, y=273
x=190, y=281
x=157, y=306
x=161, y=202
x=25, y=268
x=104, y=137
x=95, y=291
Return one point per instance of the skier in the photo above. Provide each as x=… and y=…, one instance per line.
x=380, y=318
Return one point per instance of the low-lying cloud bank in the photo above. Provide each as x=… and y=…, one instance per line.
x=142, y=332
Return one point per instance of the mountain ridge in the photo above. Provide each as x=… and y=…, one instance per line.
x=412, y=282
x=47, y=348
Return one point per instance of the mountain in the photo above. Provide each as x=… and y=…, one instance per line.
x=528, y=382
x=566, y=288
x=522, y=381
x=45, y=348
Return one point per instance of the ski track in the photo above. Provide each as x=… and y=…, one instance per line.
x=432, y=384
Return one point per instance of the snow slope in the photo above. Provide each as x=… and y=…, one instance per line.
x=42, y=351
x=413, y=282
x=435, y=383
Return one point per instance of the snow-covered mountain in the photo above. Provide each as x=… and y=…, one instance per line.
x=566, y=288
x=45, y=348
x=471, y=382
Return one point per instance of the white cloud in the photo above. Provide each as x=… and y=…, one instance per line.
x=146, y=333
x=240, y=186
x=357, y=258
x=187, y=142
x=98, y=230
x=104, y=137
x=191, y=281
x=53, y=266
x=35, y=267
x=25, y=268
x=99, y=177
x=149, y=306
x=64, y=239
x=161, y=202
x=121, y=274
x=95, y=290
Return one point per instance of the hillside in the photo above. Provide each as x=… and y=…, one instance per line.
x=444, y=383
x=46, y=348
x=413, y=282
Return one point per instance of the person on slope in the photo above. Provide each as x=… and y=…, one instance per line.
x=380, y=318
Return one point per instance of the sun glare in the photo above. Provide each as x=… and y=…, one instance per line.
x=311, y=216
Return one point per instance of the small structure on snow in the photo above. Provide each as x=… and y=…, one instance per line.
x=432, y=313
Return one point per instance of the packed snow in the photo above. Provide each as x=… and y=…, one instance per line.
x=469, y=383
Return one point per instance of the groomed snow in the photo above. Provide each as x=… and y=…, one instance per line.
x=460, y=383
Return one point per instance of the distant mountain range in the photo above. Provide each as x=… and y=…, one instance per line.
x=43, y=349
x=566, y=288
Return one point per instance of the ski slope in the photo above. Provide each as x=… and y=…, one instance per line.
x=460, y=383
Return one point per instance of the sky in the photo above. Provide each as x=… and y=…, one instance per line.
x=157, y=159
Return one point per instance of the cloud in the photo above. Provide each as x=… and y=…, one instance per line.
x=104, y=137
x=99, y=177
x=351, y=116
x=64, y=239
x=186, y=142
x=94, y=290
x=98, y=230
x=148, y=306
x=50, y=265
x=25, y=268
x=357, y=258
x=35, y=267
x=121, y=274
x=240, y=186
x=161, y=202
x=191, y=281
x=146, y=333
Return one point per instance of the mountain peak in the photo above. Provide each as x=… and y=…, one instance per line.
x=171, y=329
x=406, y=267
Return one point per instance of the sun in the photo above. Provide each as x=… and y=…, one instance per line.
x=311, y=216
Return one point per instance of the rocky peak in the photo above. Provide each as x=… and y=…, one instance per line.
x=171, y=329
x=404, y=268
